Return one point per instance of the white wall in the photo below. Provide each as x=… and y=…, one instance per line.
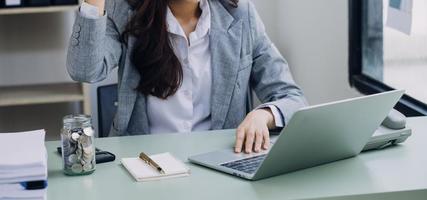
x=32, y=51
x=33, y=48
x=313, y=37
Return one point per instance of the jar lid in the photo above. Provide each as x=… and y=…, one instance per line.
x=79, y=120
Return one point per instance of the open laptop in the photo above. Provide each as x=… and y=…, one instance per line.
x=314, y=135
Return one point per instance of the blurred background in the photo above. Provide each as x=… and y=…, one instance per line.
x=36, y=91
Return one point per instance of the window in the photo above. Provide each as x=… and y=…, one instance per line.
x=383, y=58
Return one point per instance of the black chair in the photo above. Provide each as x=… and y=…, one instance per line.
x=107, y=98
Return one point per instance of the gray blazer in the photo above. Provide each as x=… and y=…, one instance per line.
x=243, y=58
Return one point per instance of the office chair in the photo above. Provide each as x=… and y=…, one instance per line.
x=107, y=98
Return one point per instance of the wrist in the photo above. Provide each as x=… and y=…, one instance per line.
x=268, y=117
x=100, y=4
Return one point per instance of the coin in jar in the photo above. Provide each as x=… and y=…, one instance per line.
x=70, y=150
x=66, y=147
x=77, y=168
x=87, y=157
x=85, y=141
x=72, y=158
x=75, y=136
x=88, y=131
x=87, y=167
x=79, y=153
x=88, y=149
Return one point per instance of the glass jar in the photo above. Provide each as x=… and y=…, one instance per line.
x=78, y=149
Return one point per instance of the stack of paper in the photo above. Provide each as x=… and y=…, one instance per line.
x=23, y=165
x=141, y=171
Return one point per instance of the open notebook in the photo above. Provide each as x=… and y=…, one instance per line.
x=141, y=171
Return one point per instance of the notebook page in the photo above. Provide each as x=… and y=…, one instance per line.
x=141, y=170
x=169, y=163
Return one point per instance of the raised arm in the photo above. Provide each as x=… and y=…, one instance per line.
x=95, y=46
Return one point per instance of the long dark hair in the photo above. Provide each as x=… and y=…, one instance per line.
x=159, y=68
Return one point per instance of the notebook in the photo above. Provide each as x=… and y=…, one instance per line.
x=141, y=171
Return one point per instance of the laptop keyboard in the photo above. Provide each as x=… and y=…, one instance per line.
x=247, y=165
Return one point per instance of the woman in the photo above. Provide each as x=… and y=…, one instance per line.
x=185, y=65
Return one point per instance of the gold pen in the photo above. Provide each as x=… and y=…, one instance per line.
x=151, y=162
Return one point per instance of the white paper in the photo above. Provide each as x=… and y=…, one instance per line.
x=16, y=191
x=23, y=157
x=13, y=2
x=21, y=149
x=400, y=15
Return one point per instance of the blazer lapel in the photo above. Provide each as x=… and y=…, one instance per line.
x=128, y=93
x=225, y=45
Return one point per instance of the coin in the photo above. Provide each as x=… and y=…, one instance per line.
x=72, y=158
x=79, y=153
x=88, y=131
x=87, y=160
x=77, y=168
x=65, y=147
x=68, y=148
x=87, y=157
x=85, y=141
x=88, y=149
x=87, y=167
x=75, y=136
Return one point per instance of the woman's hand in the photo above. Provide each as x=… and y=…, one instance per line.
x=98, y=3
x=252, y=134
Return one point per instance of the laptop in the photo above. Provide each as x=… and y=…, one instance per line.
x=314, y=136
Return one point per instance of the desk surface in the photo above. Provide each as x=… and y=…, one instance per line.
x=398, y=169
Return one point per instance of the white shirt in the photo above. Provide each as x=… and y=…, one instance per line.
x=189, y=109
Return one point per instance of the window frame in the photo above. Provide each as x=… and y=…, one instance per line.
x=408, y=105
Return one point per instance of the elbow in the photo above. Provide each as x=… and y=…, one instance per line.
x=77, y=72
x=80, y=71
x=72, y=70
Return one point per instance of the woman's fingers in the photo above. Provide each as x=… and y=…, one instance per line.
x=259, y=137
x=266, y=137
x=249, y=140
x=240, y=137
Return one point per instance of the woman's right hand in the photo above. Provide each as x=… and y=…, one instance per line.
x=98, y=3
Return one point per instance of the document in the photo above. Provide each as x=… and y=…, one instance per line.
x=13, y=2
x=16, y=191
x=23, y=165
x=400, y=15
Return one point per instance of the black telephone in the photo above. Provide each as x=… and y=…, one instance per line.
x=393, y=130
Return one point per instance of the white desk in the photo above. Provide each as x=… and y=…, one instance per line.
x=395, y=173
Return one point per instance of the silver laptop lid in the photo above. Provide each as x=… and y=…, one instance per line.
x=326, y=133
